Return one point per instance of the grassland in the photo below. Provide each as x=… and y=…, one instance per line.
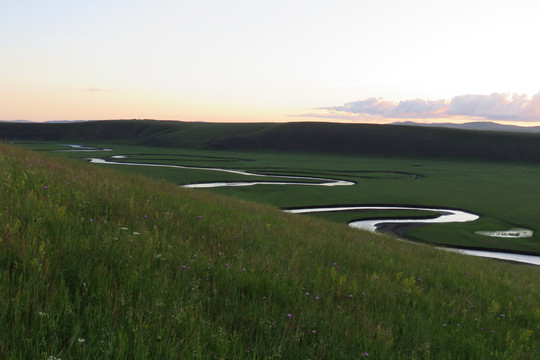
x=102, y=264
x=504, y=194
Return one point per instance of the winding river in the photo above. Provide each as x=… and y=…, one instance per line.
x=321, y=181
x=445, y=215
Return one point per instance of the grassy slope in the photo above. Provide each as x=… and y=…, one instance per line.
x=198, y=274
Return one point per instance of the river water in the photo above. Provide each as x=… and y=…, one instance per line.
x=445, y=216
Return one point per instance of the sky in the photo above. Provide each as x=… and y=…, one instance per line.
x=376, y=61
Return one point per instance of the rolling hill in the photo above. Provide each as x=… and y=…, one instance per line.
x=361, y=139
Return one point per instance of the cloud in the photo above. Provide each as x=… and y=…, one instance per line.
x=331, y=115
x=416, y=108
x=488, y=107
x=494, y=106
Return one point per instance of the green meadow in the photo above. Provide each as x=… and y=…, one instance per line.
x=101, y=263
x=504, y=194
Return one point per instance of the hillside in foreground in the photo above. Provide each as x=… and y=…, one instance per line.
x=102, y=264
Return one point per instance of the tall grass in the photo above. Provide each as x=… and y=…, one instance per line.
x=102, y=264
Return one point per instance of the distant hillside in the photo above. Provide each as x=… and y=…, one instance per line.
x=362, y=139
x=477, y=125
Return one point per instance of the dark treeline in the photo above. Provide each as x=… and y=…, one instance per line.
x=360, y=139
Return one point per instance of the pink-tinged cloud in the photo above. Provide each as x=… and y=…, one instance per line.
x=416, y=108
x=494, y=106
x=489, y=107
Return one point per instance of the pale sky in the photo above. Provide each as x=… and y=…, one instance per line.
x=294, y=60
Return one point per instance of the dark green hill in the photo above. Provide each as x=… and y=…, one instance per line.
x=362, y=139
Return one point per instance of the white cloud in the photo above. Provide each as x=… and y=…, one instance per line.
x=494, y=106
x=488, y=107
x=419, y=108
x=371, y=106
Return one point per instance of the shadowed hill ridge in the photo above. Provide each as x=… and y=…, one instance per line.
x=362, y=139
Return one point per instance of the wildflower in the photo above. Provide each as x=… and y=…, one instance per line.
x=226, y=265
x=502, y=315
x=42, y=314
x=443, y=325
x=314, y=331
x=363, y=294
x=457, y=325
x=199, y=217
x=45, y=187
x=195, y=256
x=475, y=319
x=316, y=298
x=81, y=340
x=145, y=216
x=366, y=354
x=203, y=237
x=289, y=316
x=136, y=233
x=91, y=220
x=307, y=294
x=243, y=269
x=350, y=296
x=183, y=267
